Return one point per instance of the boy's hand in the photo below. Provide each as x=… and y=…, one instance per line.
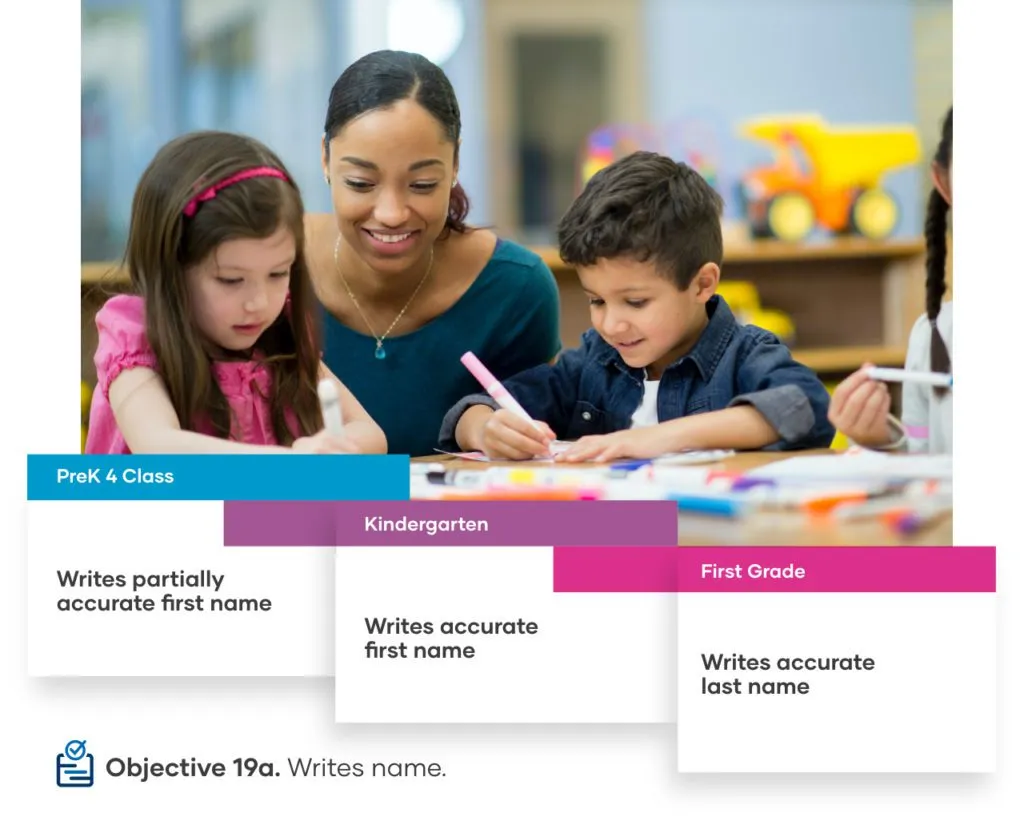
x=324, y=442
x=504, y=435
x=643, y=442
x=860, y=409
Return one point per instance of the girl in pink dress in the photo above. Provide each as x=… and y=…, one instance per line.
x=216, y=350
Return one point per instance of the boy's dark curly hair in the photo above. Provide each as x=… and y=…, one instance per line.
x=647, y=207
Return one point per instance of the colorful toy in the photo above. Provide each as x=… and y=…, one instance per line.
x=606, y=144
x=692, y=141
x=745, y=303
x=825, y=175
x=696, y=139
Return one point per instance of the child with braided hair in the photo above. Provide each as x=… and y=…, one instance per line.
x=860, y=405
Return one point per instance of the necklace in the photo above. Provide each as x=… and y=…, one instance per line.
x=379, y=353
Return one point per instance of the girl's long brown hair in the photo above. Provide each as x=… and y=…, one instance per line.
x=163, y=244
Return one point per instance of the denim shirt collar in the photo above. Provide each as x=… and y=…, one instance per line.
x=706, y=353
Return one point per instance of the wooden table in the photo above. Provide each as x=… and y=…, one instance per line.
x=765, y=528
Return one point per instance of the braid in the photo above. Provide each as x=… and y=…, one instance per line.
x=935, y=226
x=935, y=263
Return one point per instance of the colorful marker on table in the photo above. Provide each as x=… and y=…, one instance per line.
x=422, y=468
x=523, y=494
x=917, y=518
x=466, y=479
x=881, y=508
x=624, y=468
x=819, y=503
x=709, y=505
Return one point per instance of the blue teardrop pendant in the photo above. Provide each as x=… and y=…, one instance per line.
x=379, y=353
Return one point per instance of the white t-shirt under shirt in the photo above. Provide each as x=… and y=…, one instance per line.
x=646, y=414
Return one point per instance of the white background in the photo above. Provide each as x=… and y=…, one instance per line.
x=596, y=657
x=494, y=773
x=928, y=704
x=293, y=638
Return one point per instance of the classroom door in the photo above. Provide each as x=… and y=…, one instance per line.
x=555, y=72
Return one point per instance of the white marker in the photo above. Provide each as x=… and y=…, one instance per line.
x=330, y=405
x=935, y=379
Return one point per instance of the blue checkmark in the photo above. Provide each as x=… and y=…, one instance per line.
x=75, y=749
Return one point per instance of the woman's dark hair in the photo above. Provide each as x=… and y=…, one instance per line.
x=935, y=245
x=381, y=79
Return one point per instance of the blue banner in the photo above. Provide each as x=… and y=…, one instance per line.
x=218, y=478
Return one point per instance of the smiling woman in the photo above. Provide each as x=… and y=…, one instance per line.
x=405, y=285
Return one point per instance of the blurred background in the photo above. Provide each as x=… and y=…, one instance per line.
x=759, y=96
x=535, y=79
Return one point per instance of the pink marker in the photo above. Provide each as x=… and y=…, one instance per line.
x=495, y=389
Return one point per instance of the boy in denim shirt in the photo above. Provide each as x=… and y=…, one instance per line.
x=666, y=366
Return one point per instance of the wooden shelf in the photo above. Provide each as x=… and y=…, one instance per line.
x=745, y=252
x=768, y=251
x=848, y=359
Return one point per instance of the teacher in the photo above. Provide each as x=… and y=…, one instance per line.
x=406, y=286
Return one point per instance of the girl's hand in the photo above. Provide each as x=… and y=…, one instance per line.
x=860, y=409
x=504, y=435
x=325, y=442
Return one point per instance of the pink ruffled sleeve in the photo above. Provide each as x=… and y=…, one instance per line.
x=122, y=340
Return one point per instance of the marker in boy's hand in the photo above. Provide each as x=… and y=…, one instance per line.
x=505, y=435
x=502, y=434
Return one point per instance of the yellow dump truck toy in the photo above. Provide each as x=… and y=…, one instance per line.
x=825, y=175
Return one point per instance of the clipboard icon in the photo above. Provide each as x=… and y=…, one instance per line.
x=75, y=766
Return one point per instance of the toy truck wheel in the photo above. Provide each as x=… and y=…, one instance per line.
x=874, y=214
x=790, y=216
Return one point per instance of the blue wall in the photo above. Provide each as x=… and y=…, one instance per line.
x=851, y=61
x=465, y=69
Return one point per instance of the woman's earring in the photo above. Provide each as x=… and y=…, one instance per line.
x=454, y=182
x=327, y=180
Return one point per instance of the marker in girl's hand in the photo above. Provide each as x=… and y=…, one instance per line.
x=330, y=405
x=496, y=390
x=934, y=379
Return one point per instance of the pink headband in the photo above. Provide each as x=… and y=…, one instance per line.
x=245, y=174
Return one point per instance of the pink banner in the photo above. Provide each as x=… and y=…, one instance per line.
x=775, y=569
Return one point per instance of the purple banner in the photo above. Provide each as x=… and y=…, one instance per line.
x=449, y=523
